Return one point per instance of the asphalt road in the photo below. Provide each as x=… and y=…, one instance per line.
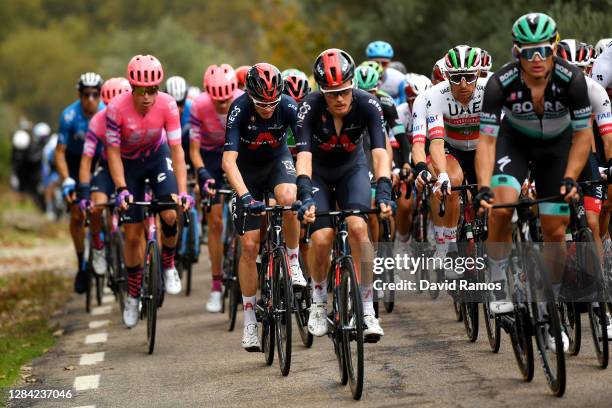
x=424, y=360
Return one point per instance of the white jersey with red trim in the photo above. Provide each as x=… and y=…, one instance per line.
x=445, y=118
x=602, y=70
x=600, y=102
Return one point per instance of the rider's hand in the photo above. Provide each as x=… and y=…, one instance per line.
x=442, y=186
x=306, y=212
x=123, y=198
x=68, y=187
x=569, y=189
x=483, y=199
x=383, y=198
x=251, y=205
x=206, y=181
x=185, y=201
x=423, y=174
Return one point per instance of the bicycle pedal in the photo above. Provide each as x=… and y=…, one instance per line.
x=371, y=338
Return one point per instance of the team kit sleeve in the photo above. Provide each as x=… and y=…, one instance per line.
x=173, y=123
x=304, y=125
x=232, y=129
x=579, y=103
x=419, y=119
x=113, y=125
x=493, y=101
x=435, y=118
x=64, y=129
x=291, y=111
x=373, y=114
x=601, y=110
x=91, y=143
x=195, y=121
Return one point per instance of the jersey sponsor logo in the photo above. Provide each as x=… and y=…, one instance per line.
x=455, y=109
x=292, y=106
x=343, y=142
x=515, y=96
x=603, y=116
x=599, y=77
x=581, y=113
x=262, y=139
x=69, y=116
x=432, y=119
x=161, y=177
x=375, y=103
x=302, y=111
x=527, y=107
x=508, y=76
x=232, y=116
x=445, y=90
x=565, y=73
x=289, y=166
x=605, y=129
x=488, y=117
x=503, y=162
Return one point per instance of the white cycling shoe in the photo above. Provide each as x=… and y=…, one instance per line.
x=130, y=312
x=499, y=303
x=317, y=319
x=297, y=277
x=372, y=332
x=99, y=261
x=250, y=338
x=551, y=345
x=172, y=281
x=215, y=303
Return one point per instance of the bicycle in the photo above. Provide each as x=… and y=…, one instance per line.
x=188, y=244
x=275, y=308
x=345, y=324
x=92, y=277
x=152, y=287
x=420, y=235
x=535, y=314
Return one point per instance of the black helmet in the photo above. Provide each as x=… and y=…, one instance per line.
x=333, y=67
x=264, y=82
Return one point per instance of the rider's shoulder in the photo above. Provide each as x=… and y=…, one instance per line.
x=564, y=71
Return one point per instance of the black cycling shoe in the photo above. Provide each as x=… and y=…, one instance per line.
x=80, y=282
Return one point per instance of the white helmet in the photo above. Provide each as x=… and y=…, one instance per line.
x=41, y=131
x=602, y=45
x=193, y=92
x=176, y=86
x=89, y=80
x=416, y=84
x=21, y=140
x=438, y=72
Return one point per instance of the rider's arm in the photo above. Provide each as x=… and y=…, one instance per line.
x=89, y=150
x=232, y=143
x=233, y=173
x=489, y=129
x=173, y=130
x=376, y=130
x=602, y=114
x=113, y=147
x=195, y=135
x=419, y=129
x=435, y=130
x=303, y=132
x=396, y=127
x=580, y=113
x=60, y=150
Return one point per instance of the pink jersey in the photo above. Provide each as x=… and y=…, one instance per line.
x=139, y=135
x=207, y=126
x=95, y=133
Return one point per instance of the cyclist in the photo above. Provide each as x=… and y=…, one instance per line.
x=486, y=64
x=241, y=73
x=538, y=126
x=438, y=73
x=451, y=120
x=137, y=150
x=50, y=177
x=207, y=137
x=296, y=86
x=101, y=184
x=256, y=159
x=392, y=79
x=74, y=122
x=331, y=125
x=602, y=45
x=398, y=66
x=176, y=86
x=193, y=92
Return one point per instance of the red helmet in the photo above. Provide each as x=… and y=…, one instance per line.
x=145, y=70
x=114, y=87
x=439, y=71
x=264, y=82
x=220, y=82
x=241, y=73
x=333, y=67
x=296, y=84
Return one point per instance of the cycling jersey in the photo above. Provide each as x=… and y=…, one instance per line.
x=405, y=116
x=49, y=173
x=419, y=110
x=602, y=70
x=207, y=126
x=445, y=118
x=95, y=133
x=316, y=132
x=602, y=115
x=73, y=128
x=257, y=139
x=139, y=135
x=394, y=82
x=566, y=102
x=186, y=114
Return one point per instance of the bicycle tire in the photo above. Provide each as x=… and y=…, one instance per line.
x=267, y=320
x=492, y=327
x=99, y=288
x=457, y=310
x=469, y=310
x=283, y=304
x=120, y=272
x=234, y=295
x=302, y=302
x=336, y=334
x=522, y=346
x=599, y=332
x=151, y=282
x=190, y=251
x=555, y=376
x=351, y=313
x=90, y=278
x=570, y=318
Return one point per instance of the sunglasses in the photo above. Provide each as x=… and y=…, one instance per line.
x=456, y=79
x=332, y=93
x=266, y=105
x=88, y=95
x=146, y=90
x=529, y=53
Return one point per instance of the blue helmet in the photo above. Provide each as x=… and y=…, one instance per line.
x=379, y=49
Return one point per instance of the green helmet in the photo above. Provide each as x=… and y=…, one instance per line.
x=463, y=58
x=292, y=72
x=377, y=67
x=534, y=28
x=366, y=78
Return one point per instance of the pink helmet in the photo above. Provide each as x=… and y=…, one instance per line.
x=220, y=82
x=114, y=87
x=145, y=70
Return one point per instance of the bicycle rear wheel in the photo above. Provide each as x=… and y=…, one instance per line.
x=151, y=284
x=190, y=252
x=302, y=302
x=119, y=271
x=267, y=318
x=599, y=331
x=547, y=323
x=99, y=288
x=522, y=346
x=493, y=328
x=90, y=277
x=283, y=308
x=233, y=288
x=351, y=318
x=469, y=311
x=570, y=319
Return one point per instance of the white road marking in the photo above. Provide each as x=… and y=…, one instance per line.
x=86, y=406
x=96, y=324
x=91, y=358
x=101, y=310
x=108, y=299
x=96, y=338
x=87, y=382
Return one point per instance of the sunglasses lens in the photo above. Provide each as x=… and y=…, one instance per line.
x=529, y=54
x=88, y=95
x=456, y=78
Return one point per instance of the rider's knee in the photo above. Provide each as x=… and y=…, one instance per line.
x=286, y=196
x=250, y=248
x=358, y=230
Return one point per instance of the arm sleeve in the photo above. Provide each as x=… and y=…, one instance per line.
x=493, y=102
x=63, y=132
x=304, y=126
x=291, y=109
x=398, y=130
x=601, y=109
x=195, y=132
x=419, y=119
x=91, y=142
x=374, y=119
x=113, y=126
x=602, y=71
x=173, y=124
x=232, y=130
x=579, y=103
x=435, y=118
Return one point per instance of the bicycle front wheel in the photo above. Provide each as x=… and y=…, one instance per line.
x=151, y=284
x=283, y=307
x=351, y=318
